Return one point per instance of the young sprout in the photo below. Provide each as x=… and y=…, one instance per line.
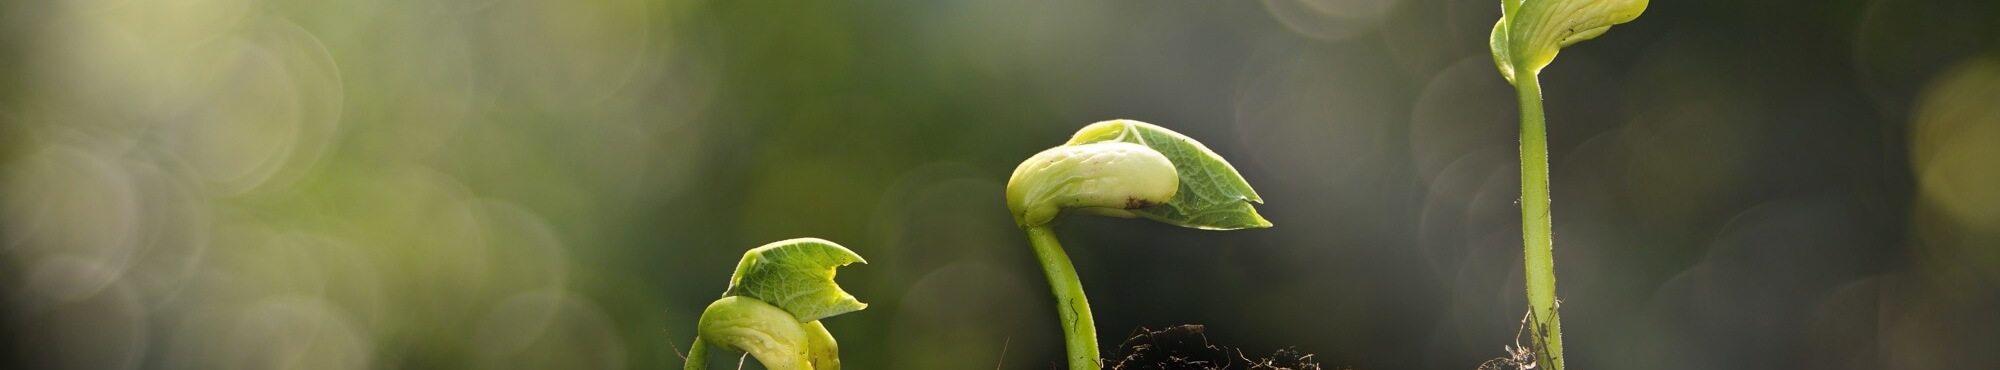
x=773, y=306
x=1121, y=168
x=1525, y=40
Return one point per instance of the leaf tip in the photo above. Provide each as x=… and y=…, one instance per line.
x=1259, y=222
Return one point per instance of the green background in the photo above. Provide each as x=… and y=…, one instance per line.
x=550, y=184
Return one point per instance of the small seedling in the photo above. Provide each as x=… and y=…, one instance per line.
x=1121, y=168
x=773, y=306
x=1525, y=40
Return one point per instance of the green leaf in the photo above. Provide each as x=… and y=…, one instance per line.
x=1498, y=44
x=1531, y=32
x=1211, y=195
x=796, y=275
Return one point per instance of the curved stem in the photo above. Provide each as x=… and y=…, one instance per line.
x=697, y=355
x=1537, y=228
x=1079, y=332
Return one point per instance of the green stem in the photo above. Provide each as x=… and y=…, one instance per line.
x=1079, y=332
x=1537, y=229
x=697, y=355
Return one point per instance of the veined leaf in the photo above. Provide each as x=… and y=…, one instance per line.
x=796, y=275
x=1211, y=195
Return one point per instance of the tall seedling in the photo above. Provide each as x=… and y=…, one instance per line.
x=1525, y=40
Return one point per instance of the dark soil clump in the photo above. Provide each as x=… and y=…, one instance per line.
x=1186, y=347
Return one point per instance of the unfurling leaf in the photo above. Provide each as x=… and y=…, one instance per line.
x=796, y=275
x=1531, y=32
x=1211, y=194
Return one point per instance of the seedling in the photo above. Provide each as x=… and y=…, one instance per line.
x=1121, y=168
x=1525, y=40
x=773, y=306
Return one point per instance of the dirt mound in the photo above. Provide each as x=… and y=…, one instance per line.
x=1186, y=347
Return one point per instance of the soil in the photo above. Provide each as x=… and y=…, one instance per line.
x=1187, y=347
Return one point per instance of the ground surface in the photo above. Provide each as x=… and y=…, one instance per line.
x=1186, y=347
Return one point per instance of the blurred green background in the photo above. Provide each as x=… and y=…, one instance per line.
x=558, y=184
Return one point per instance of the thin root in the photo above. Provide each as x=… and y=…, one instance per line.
x=1519, y=357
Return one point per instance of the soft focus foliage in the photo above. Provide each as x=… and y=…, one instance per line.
x=562, y=184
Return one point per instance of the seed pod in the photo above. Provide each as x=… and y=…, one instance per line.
x=1107, y=177
x=746, y=324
